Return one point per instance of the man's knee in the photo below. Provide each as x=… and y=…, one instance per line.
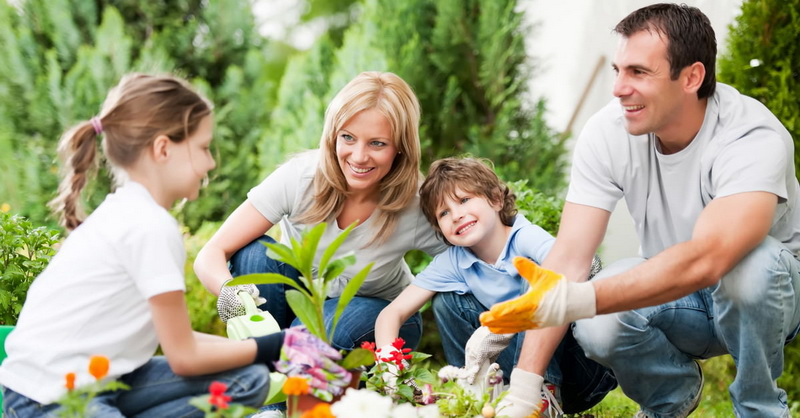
x=767, y=267
x=598, y=336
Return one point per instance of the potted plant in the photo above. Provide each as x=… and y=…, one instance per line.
x=308, y=296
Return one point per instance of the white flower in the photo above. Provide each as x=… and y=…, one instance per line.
x=448, y=373
x=755, y=62
x=428, y=411
x=404, y=410
x=363, y=404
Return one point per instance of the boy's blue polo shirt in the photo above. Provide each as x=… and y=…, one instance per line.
x=459, y=270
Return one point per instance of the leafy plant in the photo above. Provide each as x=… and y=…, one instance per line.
x=76, y=402
x=25, y=251
x=216, y=403
x=308, y=297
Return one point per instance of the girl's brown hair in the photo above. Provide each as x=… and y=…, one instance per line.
x=393, y=97
x=475, y=176
x=136, y=111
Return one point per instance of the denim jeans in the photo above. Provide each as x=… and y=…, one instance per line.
x=155, y=392
x=357, y=322
x=750, y=314
x=582, y=382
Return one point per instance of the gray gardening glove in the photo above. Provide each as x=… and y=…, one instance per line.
x=481, y=351
x=597, y=265
x=229, y=305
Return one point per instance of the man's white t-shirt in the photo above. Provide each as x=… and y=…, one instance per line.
x=282, y=196
x=92, y=299
x=741, y=147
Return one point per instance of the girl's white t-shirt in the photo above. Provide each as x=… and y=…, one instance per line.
x=92, y=299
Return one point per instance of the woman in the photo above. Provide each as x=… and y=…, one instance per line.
x=366, y=170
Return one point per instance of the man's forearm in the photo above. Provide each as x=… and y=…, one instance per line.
x=538, y=347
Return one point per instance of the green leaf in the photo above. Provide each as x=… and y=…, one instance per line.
x=348, y=293
x=334, y=246
x=309, y=314
x=357, y=358
x=336, y=267
x=309, y=248
x=265, y=278
x=282, y=253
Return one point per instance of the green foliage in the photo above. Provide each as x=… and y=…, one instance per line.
x=59, y=58
x=466, y=62
x=25, y=251
x=307, y=299
x=767, y=31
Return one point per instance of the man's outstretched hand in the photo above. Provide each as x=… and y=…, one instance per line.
x=552, y=300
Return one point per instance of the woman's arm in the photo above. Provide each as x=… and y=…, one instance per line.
x=244, y=225
x=191, y=353
x=392, y=317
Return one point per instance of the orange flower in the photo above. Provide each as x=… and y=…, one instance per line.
x=70, y=385
x=295, y=386
x=98, y=366
x=321, y=410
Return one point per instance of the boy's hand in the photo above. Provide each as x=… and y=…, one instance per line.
x=481, y=350
x=552, y=300
x=522, y=399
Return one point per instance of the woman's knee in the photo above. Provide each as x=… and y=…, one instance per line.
x=252, y=258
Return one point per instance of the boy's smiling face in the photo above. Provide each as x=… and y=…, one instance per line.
x=467, y=220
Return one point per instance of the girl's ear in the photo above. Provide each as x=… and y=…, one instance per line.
x=160, y=148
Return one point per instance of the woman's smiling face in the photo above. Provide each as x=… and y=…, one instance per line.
x=365, y=150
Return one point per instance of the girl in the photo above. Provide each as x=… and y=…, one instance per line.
x=367, y=171
x=116, y=286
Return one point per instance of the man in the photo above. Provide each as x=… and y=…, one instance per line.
x=709, y=180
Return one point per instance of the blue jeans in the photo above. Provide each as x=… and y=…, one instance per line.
x=583, y=383
x=750, y=314
x=357, y=322
x=155, y=392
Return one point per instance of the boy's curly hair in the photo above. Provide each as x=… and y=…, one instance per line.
x=471, y=175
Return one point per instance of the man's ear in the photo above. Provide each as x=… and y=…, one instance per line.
x=693, y=77
x=161, y=148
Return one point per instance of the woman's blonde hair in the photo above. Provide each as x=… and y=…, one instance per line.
x=136, y=111
x=392, y=97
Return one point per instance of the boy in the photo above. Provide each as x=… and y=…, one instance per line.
x=475, y=212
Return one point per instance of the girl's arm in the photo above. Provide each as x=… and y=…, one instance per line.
x=244, y=225
x=191, y=353
x=392, y=317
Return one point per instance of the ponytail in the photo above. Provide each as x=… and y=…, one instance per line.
x=78, y=150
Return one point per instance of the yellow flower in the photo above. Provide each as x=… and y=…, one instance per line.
x=321, y=410
x=295, y=386
x=98, y=366
x=5, y=207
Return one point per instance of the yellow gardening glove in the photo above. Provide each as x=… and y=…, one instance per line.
x=552, y=300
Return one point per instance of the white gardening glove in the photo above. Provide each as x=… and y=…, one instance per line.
x=229, y=305
x=552, y=300
x=480, y=353
x=524, y=395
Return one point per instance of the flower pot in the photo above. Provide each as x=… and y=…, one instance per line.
x=305, y=403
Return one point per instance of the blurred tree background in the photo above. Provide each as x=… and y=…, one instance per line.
x=466, y=61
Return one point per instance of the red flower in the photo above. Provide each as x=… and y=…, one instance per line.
x=366, y=345
x=218, y=397
x=399, y=343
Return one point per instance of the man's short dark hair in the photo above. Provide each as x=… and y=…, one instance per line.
x=689, y=37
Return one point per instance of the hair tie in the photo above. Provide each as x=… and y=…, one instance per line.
x=98, y=127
